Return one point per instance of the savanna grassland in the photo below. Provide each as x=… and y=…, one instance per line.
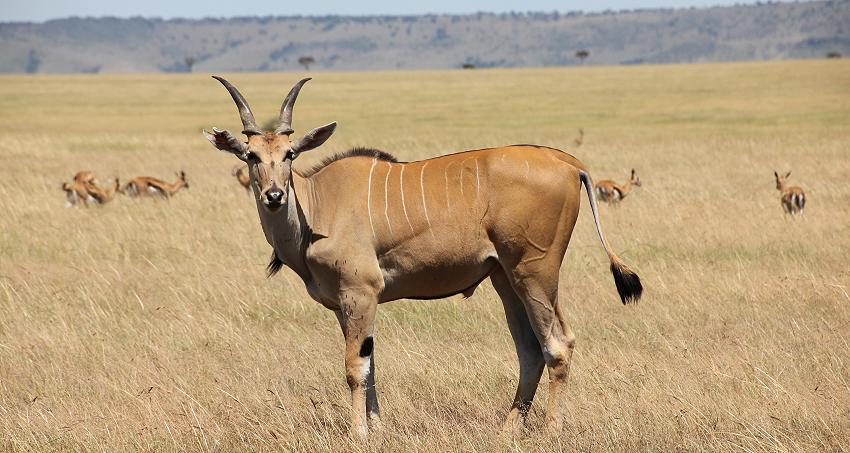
x=150, y=325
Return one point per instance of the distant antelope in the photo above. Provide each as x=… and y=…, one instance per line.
x=105, y=195
x=75, y=191
x=76, y=194
x=361, y=229
x=793, y=198
x=84, y=176
x=611, y=192
x=241, y=174
x=580, y=139
x=148, y=186
x=83, y=193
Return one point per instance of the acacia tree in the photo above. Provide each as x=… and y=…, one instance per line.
x=306, y=61
x=582, y=54
x=190, y=61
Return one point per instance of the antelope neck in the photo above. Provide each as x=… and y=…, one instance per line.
x=288, y=229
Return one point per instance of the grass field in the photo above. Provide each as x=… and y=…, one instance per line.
x=150, y=326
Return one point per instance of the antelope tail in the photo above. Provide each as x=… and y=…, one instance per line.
x=627, y=281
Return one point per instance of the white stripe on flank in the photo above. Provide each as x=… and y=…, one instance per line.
x=401, y=189
x=527, y=169
x=369, y=198
x=460, y=176
x=477, y=179
x=422, y=189
x=448, y=202
x=386, y=197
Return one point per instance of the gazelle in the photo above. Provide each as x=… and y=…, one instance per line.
x=793, y=198
x=362, y=229
x=76, y=193
x=84, y=176
x=611, y=192
x=101, y=196
x=241, y=174
x=84, y=191
x=146, y=185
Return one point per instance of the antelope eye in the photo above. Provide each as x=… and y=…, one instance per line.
x=252, y=156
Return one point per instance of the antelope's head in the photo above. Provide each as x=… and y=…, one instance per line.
x=635, y=179
x=84, y=176
x=269, y=155
x=181, y=175
x=780, y=180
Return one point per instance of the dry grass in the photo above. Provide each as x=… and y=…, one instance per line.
x=149, y=325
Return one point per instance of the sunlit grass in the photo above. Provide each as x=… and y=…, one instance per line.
x=149, y=324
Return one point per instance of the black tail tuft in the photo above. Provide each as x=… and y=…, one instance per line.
x=275, y=264
x=628, y=283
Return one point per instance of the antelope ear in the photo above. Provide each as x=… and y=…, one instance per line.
x=775, y=174
x=225, y=141
x=314, y=138
x=788, y=174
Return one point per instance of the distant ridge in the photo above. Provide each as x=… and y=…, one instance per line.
x=747, y=32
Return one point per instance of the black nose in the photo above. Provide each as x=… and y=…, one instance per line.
x=274, y=196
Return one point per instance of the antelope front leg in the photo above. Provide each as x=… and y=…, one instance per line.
x=357, y=319
x=373, y=411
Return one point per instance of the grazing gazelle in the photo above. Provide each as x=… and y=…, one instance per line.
x=76, y=193
x=361, y=229
x=146, y=185
x=102, y=196
x=793, y=198
x=241, y=174
x=83, y=190
x=611, y=192
x=580, y=139
x=83, y=193
x=84, y=176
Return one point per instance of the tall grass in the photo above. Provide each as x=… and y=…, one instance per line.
x=149, y=325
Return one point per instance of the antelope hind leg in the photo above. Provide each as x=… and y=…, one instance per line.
x=540, y=297
x=528, y=352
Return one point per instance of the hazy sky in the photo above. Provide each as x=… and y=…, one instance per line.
x=40, y=10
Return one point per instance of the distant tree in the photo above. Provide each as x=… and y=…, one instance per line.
x=582, y=54
x=190, y=61
x=833, y=55
x=306, y=61
x=33, y=62
x=468, y=66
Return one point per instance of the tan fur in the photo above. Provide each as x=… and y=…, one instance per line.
x=83, y=190
x=362, y=231
x=611, y=192
x=142, y=186
x=84, y=176
x=793, y=198
x=241, y=174
x=76, y=194
x=103, y=195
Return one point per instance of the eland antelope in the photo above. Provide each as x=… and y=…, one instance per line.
x=793, y=198
x=146, y=185
x=361, y=229
x=611, y=192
